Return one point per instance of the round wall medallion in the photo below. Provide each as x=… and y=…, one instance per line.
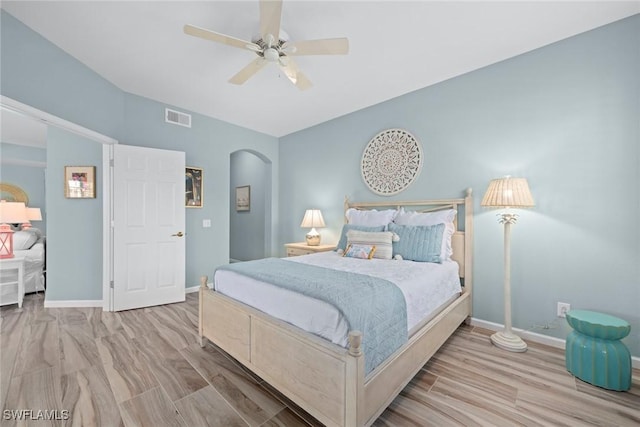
x=391, y=161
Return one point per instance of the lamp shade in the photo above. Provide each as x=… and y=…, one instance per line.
x=508, y=192
x=12, y=212
x=34, y=214
x=312, y=219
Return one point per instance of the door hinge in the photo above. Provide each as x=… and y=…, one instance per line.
x=111, y=284
x=111, y=162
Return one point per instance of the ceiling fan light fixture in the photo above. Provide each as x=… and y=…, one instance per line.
x=271, y=55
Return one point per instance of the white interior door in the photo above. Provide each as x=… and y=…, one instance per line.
x=148, y=227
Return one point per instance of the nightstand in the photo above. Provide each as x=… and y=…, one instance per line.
x=12, y=280
x=296, y=249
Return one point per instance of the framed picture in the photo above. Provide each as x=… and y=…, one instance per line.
x=193, y=187
x=243, y=198
x=80, y=182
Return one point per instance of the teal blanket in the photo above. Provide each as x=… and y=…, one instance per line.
x=374, y=306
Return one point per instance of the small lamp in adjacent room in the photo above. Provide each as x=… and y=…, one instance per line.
x=508, y=193
x=10, y=213
x=33, y=214
x=312, y=219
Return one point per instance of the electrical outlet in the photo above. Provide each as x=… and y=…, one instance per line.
x=563, y=308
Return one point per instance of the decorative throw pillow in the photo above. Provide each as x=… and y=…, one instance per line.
x=342, y=244
x=360, y=251
x=421, y=243
x=445, y=216
x=370, y=218
x=381, y=240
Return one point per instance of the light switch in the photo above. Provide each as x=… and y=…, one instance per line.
x=206, y=223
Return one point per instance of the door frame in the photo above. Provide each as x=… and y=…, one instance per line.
x=107, y=142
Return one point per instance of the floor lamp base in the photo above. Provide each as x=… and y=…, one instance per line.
x=508, y=342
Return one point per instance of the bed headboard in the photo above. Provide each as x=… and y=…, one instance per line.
x=462, y=241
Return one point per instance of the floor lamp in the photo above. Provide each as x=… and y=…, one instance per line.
x=508, y=193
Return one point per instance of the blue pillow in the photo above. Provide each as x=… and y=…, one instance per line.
x=421, y=243
x=342, y=244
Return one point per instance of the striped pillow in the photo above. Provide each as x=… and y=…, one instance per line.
x=342, y=244
x=382, y=241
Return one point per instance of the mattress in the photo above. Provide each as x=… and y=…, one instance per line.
x=426, y=287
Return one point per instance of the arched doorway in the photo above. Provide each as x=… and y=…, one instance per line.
x=250, y=221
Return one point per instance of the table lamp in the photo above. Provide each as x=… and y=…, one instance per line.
x=10, y=213
x=312, y=219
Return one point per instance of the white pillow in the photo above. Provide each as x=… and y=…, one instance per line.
x=23, y=240
x=380, y=239
x=445, y=216
x=425, y=218
x=370, y=218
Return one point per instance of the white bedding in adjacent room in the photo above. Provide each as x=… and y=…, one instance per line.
x=426, y=288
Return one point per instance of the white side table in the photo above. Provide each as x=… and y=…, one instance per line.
x=12, y=280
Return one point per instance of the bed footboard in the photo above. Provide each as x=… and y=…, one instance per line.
x=322, y=378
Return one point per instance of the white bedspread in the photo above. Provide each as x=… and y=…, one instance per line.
x=425, y=286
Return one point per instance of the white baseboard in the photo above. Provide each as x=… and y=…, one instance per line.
x=98, y=303
x=535, y=337
x=193, y=289
x=72, y=303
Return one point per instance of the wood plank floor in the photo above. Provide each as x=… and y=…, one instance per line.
x=145, y=368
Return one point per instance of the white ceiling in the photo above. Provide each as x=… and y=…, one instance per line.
x=395, y=47
x=17, y=128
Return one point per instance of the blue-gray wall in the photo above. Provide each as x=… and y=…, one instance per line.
x=37, y=73
x=24, y=166
x=565, y=117
x=74, y=239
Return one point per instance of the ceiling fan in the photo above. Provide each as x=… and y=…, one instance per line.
x=273, y=46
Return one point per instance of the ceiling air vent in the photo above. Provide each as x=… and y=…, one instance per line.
x=177, y=118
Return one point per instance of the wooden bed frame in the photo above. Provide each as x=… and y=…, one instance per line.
x=325, y=379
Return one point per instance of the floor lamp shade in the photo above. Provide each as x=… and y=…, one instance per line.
x=507, y=193
x=312, y=219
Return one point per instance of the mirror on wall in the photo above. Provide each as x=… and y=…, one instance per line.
x=23, y=145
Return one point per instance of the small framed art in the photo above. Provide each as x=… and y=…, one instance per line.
x=243, y=198
x=193, y=187
x=80, y=182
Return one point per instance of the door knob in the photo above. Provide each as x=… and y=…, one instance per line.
x=178, y=234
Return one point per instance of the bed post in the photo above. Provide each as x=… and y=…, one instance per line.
x=354, y=410
x=468, y=246
x=203, y=287
x=346, y=207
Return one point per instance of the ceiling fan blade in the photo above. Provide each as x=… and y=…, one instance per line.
x=339, y=46
x=248, y=71
x=291, y=70
x=270, y=14
x=192, y=30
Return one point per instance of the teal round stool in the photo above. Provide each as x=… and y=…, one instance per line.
x=594, y=352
